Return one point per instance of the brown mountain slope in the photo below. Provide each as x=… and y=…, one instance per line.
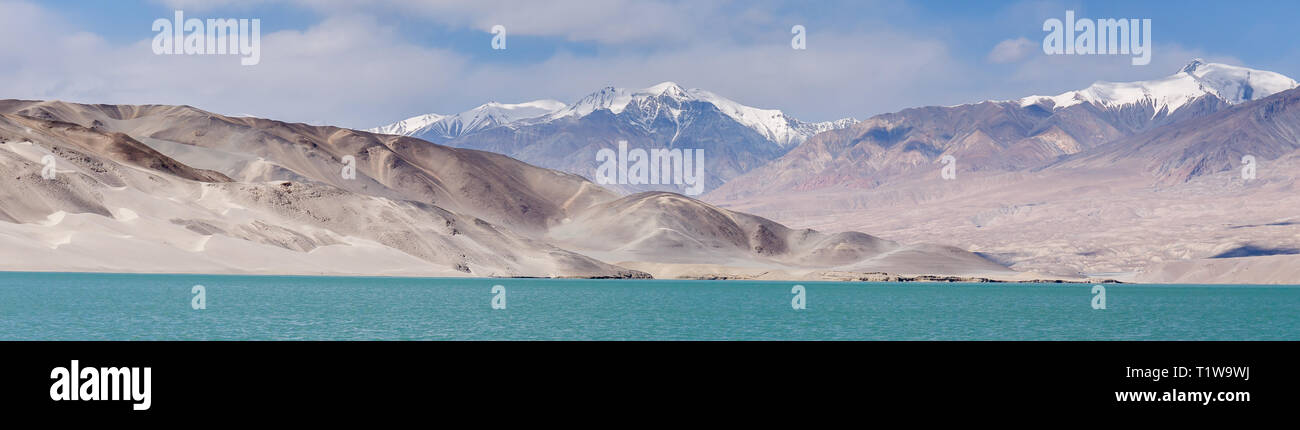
x=491, y=186
x=1266, y=129
x=998, y=136
x=1165, y=205
x=115, y=204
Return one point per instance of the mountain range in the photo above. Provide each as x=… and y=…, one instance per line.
x=735, y=137
x=1003, y=135
x=1140, y=180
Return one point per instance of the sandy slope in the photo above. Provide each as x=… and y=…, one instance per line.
x=1105, y=222
x=1251, y=270
x=671, y=229
x=177, y=189
x=155, y=215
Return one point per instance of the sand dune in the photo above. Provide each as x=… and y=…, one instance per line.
x=670, y=228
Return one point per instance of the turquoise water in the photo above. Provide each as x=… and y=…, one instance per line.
x=79, y=306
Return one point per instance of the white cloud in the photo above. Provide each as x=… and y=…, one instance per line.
x=1011, y=50
x=604, y=21
x=346, y=70
x=354, y=70
x=204, y=5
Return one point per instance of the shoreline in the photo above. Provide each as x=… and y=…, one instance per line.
x=865, y=277
x=876, y=277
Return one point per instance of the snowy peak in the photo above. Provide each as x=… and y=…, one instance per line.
x=493, y=113
x=1237, y=84
x=616, y=100
x=613, y=99
x=664, y=100
x=488, y=115
x=671, y=99
x=666, y=89
x=1232, y=84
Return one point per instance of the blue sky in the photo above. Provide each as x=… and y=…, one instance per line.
x=364, y=63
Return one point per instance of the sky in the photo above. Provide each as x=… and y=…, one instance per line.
x=363, y=64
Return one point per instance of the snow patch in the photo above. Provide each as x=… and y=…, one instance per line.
x=484, y=116
x=1197, y=79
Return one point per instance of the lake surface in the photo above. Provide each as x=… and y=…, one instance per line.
x=84, y=306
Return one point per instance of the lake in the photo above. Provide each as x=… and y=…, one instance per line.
x=88, y=306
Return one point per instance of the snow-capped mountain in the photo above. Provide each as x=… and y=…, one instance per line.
x=548, y=133
x=772, y=124
x=734, y=137
x=1231, y=84
x=440, y=128
x=666, y=98
x=1032, y=132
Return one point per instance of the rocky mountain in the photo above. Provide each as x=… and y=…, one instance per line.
x=1156, y=195
x=668, y=98
x=734, y=138
x=177, y=189
x=1264, y=130
x=1003, y=135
